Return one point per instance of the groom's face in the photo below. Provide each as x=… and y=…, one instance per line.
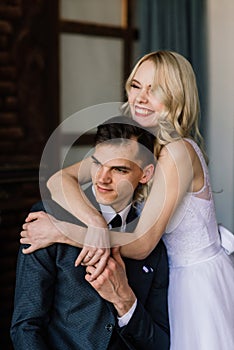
x=116, y=172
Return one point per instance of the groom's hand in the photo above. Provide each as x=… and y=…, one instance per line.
x=112, y=284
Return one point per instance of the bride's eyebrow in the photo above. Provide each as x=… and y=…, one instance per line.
x=135, y=81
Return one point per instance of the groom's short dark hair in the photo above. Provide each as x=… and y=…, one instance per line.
x=120, y=129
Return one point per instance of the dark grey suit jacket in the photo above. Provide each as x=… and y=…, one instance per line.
x=55, y=308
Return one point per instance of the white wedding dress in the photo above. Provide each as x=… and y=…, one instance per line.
x=201, y=288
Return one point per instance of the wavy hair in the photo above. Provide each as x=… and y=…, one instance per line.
x=176, y=87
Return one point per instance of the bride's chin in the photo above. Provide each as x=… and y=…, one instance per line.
x=149, y=121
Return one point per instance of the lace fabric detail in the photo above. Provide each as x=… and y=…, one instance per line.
x=193, y=225
x=201, y=274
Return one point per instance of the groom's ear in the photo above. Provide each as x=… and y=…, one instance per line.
x=148, y=173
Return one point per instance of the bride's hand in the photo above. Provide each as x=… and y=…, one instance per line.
x=39, y=230
x=96, y=250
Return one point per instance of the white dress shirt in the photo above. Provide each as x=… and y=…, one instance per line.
x=109, y=213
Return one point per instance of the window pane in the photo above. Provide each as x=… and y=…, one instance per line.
x=74, y=155
x=98, y=11
x=91, y=72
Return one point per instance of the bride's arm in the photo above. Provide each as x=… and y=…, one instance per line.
x=41, y=230
x=173, y=179
x=65, y=189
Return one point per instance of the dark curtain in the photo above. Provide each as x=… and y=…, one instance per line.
x=177, y=25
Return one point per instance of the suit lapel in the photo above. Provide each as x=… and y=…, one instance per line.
x=131, y=220
x=140, y=276
x=140, y=272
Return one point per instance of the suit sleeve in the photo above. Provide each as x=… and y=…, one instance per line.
x=34, y=291
x=148, y=327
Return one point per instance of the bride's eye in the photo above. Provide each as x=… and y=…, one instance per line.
x=135, y=86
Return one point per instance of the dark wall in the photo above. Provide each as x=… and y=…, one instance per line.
x=28, y=114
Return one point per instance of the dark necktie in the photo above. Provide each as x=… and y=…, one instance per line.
x=115, y=222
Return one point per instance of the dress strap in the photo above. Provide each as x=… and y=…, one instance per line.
x=205, y=191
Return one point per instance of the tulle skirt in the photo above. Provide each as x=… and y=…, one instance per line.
x=201, y=304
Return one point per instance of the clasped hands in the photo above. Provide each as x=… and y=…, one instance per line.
x=105, y=273
x=41, y=230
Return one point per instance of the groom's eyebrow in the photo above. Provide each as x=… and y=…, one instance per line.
x=96, y=160
x=120, y=167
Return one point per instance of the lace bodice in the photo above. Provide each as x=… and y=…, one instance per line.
x=193, y=227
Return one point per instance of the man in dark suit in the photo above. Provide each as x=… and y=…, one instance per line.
x=55, y=305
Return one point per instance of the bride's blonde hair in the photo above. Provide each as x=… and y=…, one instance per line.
x=176, y=87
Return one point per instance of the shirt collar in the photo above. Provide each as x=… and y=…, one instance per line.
x=109, y=213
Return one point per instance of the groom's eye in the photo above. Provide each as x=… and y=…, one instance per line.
x=95, y=161
x=121, y=170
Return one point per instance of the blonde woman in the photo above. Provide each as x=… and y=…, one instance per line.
x=162, y=96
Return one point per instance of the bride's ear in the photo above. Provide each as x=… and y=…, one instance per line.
x=148, y=173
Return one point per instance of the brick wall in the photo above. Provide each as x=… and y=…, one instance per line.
x=28, y=114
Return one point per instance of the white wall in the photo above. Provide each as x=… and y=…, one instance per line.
x=220, y=136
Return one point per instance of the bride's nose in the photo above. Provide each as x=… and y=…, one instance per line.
x=142, y=96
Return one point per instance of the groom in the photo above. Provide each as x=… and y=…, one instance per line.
x=56, y=307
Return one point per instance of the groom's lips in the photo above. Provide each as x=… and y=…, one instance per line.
x=103, y=189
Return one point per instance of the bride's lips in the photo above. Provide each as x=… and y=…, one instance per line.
x=143, y=112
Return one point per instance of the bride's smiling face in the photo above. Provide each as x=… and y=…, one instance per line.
x=143, y=99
